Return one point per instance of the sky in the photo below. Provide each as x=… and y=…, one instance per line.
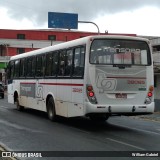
x=139, y=17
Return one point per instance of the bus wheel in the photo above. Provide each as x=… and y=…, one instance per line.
x=51, y=109
x=19, y=107
x=99, y=117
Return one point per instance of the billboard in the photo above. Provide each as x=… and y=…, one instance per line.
x=62, y=20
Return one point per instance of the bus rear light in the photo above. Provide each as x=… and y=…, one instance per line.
x=151, y=88
x=148, y=99
x=90, y=94
x=89, y=88
x=150, y=94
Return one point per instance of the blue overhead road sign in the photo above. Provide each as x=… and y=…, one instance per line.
x=62, y=20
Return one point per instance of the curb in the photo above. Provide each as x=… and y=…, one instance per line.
x=153, y=117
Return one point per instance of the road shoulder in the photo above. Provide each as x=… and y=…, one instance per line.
x=152, y=117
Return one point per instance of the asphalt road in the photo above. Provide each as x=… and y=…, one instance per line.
x=32, y=131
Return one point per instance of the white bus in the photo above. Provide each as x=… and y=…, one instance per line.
x=95, y=76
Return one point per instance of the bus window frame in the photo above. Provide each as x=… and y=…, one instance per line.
x=10, y=70
x=46, y=64
x=149, y=59
x=55, y=58
x=42, y=66
x=24, y=65
x=16, y=70
x=82, y=75
x=55, y=54
x=63, y=51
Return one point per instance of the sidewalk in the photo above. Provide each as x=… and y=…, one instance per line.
x=153, y=117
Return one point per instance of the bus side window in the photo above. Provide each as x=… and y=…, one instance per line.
x=10, y=70
x=33, y=66
x=39, y=66
x=30, y=67
x=17, y=68
x=22, y=68
x=55, y=63
x=61, y=71
x=68, y=62
x=49, y=61
x=78, y=70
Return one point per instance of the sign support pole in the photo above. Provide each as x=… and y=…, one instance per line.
x=91, y=23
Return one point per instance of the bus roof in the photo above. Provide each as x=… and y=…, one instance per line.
x=69, y=44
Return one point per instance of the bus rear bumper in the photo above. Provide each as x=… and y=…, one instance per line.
x=119, y=109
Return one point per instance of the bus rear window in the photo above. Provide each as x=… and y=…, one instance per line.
x=119, y=52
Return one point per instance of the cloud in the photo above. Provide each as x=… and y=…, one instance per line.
x=7, y=23
x=37, y=10
x=140, y=21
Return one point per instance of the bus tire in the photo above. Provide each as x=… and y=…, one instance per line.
x=51, y=109
x=18, y=106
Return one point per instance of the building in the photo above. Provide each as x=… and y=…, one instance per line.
x=155, y=41
x=13, y=42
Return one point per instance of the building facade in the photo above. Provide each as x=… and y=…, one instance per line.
x=155, y=41
x=13, y=42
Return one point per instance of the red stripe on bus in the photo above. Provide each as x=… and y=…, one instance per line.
x=54, y=84
x=62, y=84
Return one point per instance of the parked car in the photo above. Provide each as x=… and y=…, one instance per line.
x=1, y=90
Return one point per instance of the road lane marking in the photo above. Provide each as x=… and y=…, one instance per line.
x=127, y=144
x=151, y=132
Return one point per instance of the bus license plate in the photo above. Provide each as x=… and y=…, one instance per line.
x=121, y=95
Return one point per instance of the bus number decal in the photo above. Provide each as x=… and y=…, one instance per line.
x=79, y=90
x=136, y=82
